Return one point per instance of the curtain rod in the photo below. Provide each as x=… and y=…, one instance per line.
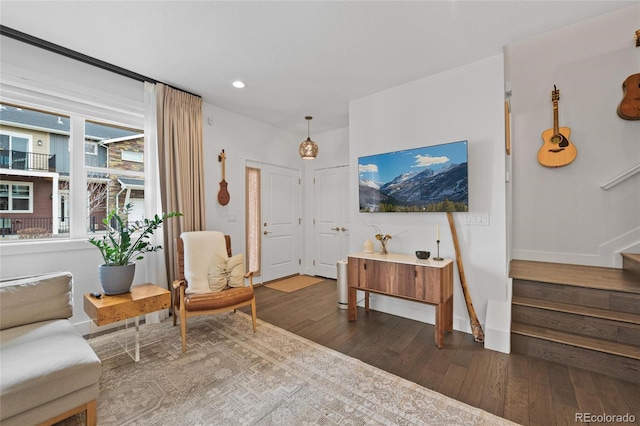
x=43, y=44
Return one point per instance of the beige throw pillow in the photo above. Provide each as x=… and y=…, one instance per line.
x=236, y=268
x=223, y=272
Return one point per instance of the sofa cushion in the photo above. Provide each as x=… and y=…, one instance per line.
x=28, y=300
x=42, y=362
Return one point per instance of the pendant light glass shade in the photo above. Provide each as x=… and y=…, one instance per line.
x=308, y=148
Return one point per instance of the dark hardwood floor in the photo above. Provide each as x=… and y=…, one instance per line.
x=520, y=388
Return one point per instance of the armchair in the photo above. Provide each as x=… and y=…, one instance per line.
x=209, y=279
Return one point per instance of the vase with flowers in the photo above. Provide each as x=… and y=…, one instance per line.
x=383, y=242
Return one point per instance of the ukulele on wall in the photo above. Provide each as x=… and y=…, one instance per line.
x=629, y=108
x=556, y=150
x=223, y=194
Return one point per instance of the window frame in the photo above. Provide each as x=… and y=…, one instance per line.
x=10, y=197
x=121, y=112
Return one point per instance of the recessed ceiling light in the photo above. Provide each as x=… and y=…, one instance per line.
x=238, y=84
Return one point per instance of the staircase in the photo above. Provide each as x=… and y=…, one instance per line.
x=584, y=316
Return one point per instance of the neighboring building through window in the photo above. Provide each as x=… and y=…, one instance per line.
x=36, y=171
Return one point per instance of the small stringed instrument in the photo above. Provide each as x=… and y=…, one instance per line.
x=223, y=194
x=629, y=108
x=556, y=150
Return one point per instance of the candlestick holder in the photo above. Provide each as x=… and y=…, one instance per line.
x=438, y=251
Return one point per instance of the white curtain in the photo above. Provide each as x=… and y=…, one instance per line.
x=156, y=271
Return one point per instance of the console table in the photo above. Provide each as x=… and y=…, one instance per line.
x=405, y=277
x=142, y=299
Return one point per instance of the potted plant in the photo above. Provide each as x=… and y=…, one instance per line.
x=121, y=245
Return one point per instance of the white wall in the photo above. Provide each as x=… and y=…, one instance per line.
x=465, y=103
x=249, y=141
x=562, y=214
x=243, y=140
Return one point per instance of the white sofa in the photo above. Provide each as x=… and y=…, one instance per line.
x=48, y=370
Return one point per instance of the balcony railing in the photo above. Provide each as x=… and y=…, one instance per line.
x=42, y=227
x=20, y=160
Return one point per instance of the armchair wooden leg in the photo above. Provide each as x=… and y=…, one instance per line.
x=183, y=329
x=253, y=313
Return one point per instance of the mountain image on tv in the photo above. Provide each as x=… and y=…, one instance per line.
x=428, y=179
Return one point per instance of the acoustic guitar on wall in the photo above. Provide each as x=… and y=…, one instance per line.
x=223, y=194
x=629, y=108
x=556, y=150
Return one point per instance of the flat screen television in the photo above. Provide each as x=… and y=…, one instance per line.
x=429, y=179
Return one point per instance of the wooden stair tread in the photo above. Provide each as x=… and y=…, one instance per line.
x=596, y=277
x=632, y=256
x=577, y=309
x=606, y=346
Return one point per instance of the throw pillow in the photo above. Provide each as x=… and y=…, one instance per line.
x=226, y=272
x=236, y=270
x=218, y=275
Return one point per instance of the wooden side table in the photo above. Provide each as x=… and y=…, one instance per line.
x=142, y=299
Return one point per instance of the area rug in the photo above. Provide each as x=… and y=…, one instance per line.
x=231, y=376
x=291, y=284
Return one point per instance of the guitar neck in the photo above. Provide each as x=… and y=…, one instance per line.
x=221, y=159
x=556, y=127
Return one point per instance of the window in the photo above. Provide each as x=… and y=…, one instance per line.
x=118, y=180
x=90, y=148
x=252, y=224
x=16, y=197
x=44, y=189
x=136, y=157
x=13, y=149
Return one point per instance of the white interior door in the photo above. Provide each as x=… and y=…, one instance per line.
x=331, y=230
x=280, y=222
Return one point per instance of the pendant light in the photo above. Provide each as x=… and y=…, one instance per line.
x=308, y=148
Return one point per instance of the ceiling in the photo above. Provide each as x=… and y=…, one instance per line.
x=297, y=58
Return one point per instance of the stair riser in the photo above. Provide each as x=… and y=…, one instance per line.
x=604, y=299
x=578, y=324
x=631, y=266
x=626, y=369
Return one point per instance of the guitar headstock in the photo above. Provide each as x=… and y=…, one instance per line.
x=555, y=95
x=222, y=156
x=637, y=38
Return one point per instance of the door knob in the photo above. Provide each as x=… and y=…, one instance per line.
x=266, y=232
x=335, y=229
x=343, y=229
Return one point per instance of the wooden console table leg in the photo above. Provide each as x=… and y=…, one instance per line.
x=440, y=324
x=366, y=301
x=352, y=309
x=449, y=315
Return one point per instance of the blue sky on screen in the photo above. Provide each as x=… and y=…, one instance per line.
x=386, y=167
